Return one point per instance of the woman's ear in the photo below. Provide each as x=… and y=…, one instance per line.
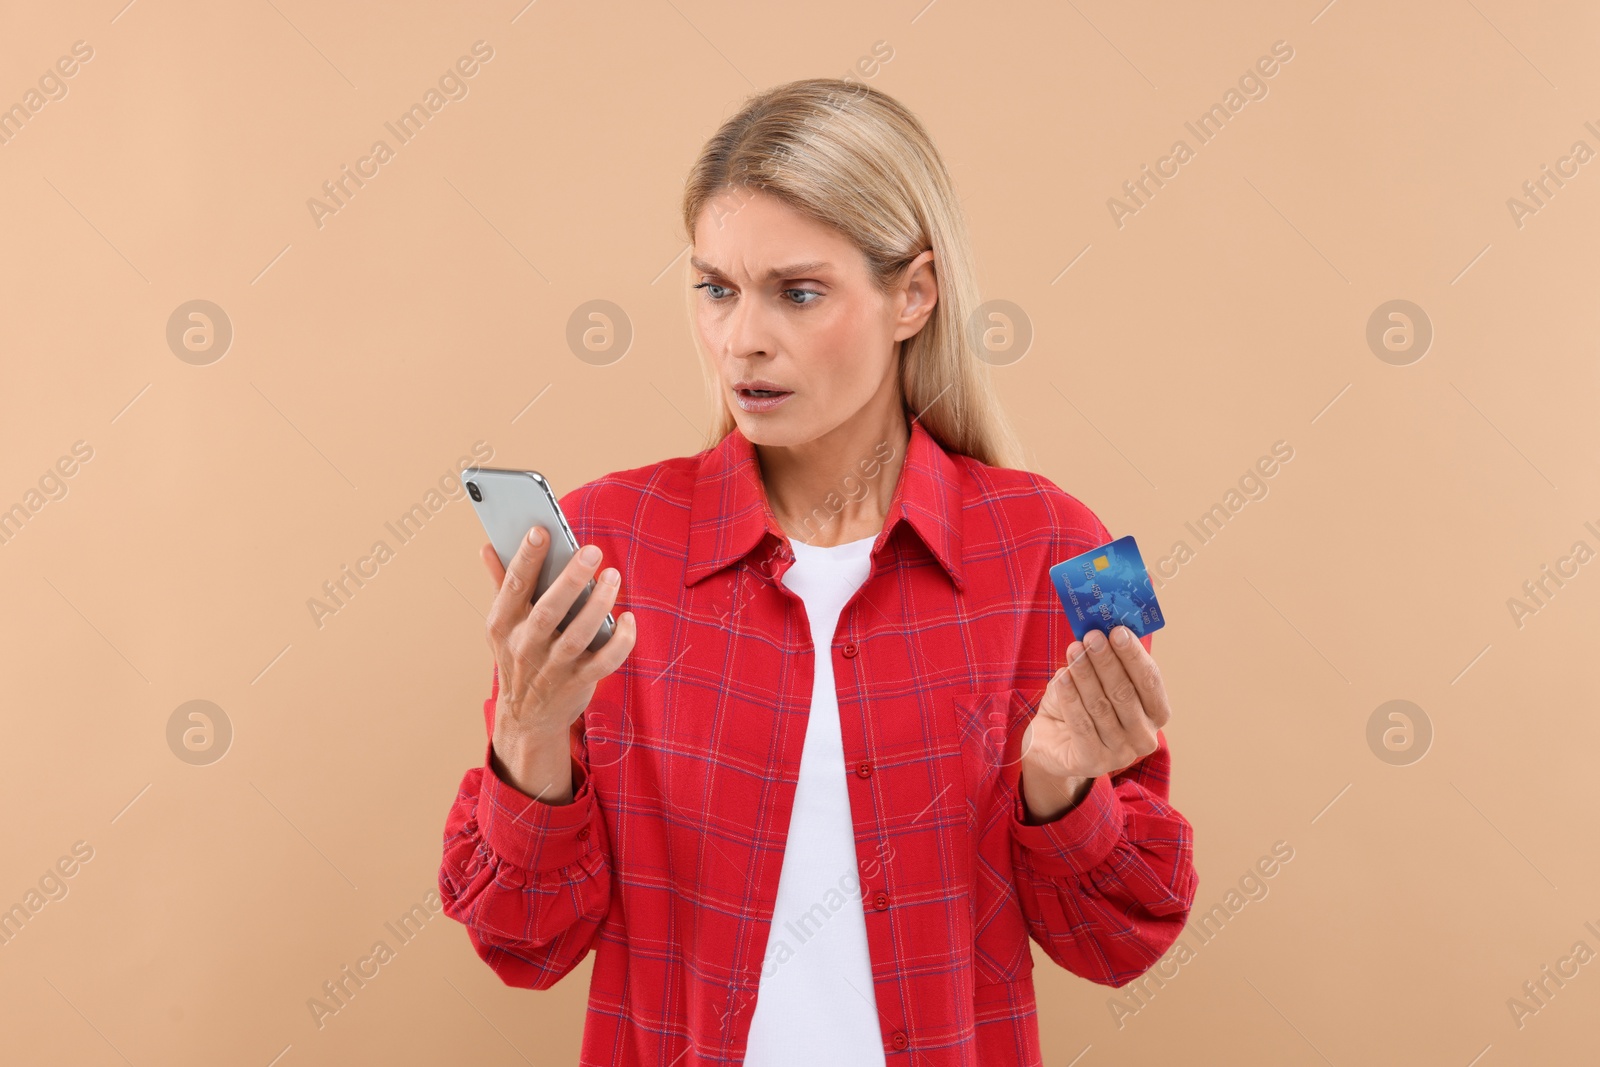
x=918, y=293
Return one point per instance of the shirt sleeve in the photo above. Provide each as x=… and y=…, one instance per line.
x=530, y=881
x=1106, y=888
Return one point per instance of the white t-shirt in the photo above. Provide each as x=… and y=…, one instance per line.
x=815, y=1003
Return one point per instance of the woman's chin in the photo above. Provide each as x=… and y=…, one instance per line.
x=767, y=429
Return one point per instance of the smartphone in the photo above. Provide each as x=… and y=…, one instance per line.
x=510, y=503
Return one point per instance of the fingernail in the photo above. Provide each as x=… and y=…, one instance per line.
x=609, y=576
x=536, y=536
x=1074, y=650
x=590, y=554
x=1093, y=639
x=1120, y=635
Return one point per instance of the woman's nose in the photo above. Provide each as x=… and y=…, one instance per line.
x=747, y=328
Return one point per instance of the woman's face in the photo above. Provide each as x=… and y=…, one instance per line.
x=787, y=301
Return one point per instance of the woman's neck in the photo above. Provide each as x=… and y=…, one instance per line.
x=838, y=487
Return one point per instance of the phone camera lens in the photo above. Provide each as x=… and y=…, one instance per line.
x=472, y=487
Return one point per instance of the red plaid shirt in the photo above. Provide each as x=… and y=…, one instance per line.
x=684, y=768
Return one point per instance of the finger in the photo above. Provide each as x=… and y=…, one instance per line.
x=1093, y=695
x=575, y=639
x=1141, y=667
x=554, y=603
x=514, y=599
x=1069, y=709
x=1116, y=685
x=491, y=563
x=614, y=651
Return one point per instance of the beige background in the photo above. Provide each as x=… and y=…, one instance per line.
x=369, y=354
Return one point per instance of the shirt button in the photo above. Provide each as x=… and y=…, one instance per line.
x=583, y=833
x=849, y=650
x=899, y=1040
x=881, y=901
x=864, y=769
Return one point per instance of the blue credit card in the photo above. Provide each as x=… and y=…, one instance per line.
x=1108, y=586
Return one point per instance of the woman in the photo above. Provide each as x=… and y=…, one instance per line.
x=812, y=797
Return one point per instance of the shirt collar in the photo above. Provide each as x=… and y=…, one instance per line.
x=729, y=514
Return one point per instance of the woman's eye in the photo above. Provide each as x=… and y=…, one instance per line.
x=717, y=293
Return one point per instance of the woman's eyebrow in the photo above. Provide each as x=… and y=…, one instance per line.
x=789, y=271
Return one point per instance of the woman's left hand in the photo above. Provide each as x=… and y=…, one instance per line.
x=1099, y=714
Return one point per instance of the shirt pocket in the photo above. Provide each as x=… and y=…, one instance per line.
x=989, y=726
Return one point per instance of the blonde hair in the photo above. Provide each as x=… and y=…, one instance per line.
x=853, y=158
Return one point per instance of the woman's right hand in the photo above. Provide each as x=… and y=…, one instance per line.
x=547, y=677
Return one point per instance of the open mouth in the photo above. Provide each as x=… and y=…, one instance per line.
x=760, y=400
